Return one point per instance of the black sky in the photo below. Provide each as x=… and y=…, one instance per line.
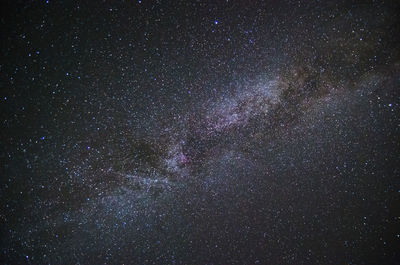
x=199, y=132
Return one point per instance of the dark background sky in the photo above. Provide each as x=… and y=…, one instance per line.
x=196, y=132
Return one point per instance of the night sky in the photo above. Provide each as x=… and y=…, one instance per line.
x=200, y=132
